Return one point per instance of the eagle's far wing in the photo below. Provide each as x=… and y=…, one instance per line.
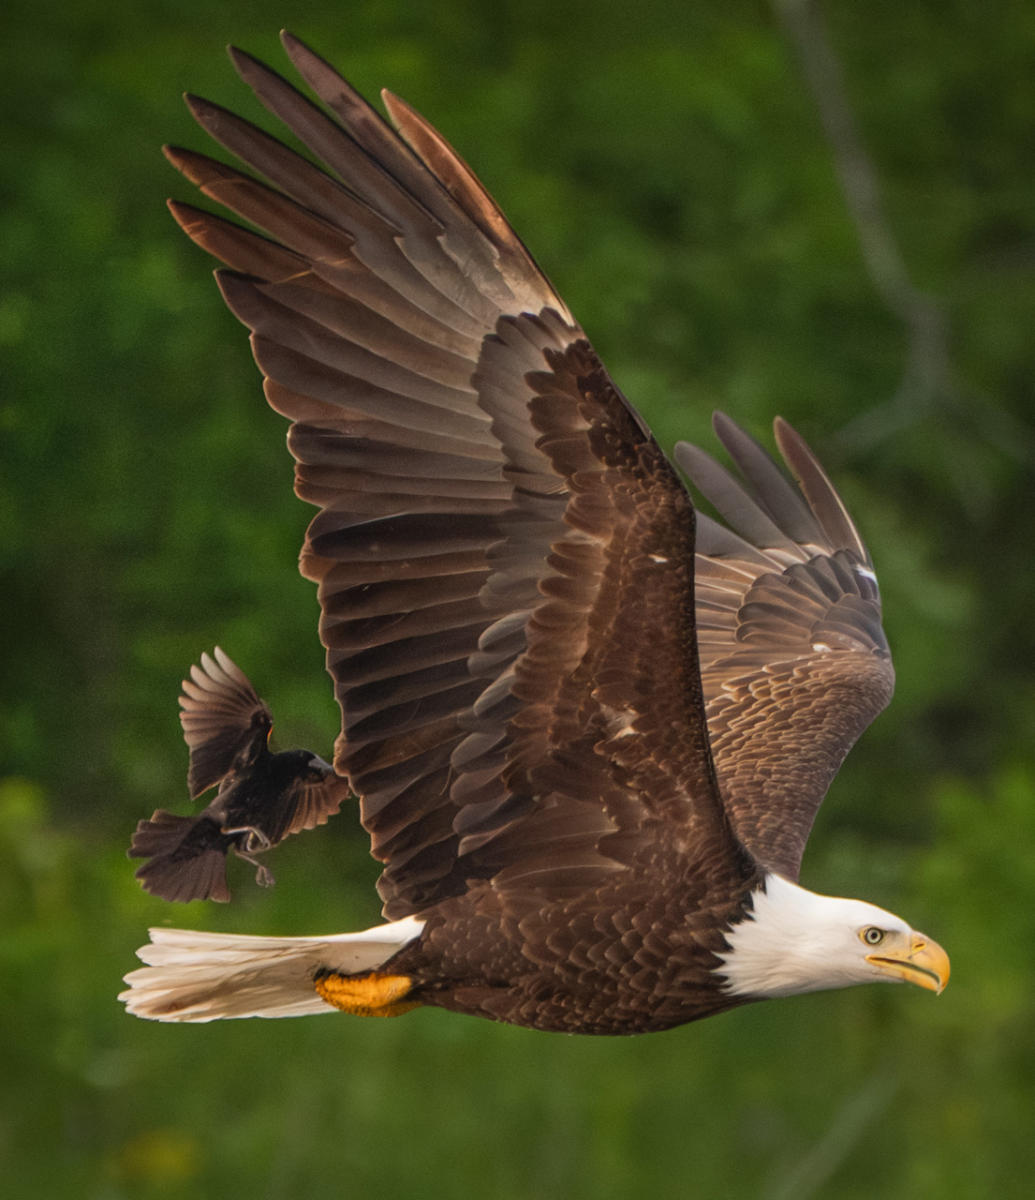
x=794, y=662
x=225, y=724
x=503, y=554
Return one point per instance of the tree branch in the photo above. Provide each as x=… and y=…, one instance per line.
x=927, y=371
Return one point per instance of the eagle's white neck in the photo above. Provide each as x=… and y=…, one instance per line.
x=794, y=940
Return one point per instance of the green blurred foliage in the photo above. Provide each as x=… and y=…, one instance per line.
x=668, y=167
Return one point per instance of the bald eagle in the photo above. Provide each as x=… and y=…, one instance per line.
x=588, y=729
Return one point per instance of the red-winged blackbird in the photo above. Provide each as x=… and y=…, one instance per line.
x=262, y=797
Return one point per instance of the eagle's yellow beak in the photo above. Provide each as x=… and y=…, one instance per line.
x=925, y=963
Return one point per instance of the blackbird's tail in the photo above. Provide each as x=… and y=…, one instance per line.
x=187, y=857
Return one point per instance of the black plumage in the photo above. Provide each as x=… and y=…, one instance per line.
x=261, y=797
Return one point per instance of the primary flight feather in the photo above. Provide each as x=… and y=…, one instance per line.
x=588, y=742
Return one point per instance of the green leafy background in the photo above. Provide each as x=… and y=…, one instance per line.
x=668, y=165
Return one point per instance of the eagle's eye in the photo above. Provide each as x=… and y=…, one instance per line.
x=872, y=936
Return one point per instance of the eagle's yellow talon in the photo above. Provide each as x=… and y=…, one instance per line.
x=370, y=995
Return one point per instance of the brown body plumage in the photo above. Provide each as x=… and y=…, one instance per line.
x=578, y=775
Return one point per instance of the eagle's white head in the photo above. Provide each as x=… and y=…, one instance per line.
x=794, y=940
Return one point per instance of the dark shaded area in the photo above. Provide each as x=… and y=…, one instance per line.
x=670, y=169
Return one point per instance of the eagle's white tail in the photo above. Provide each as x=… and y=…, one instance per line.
x=204, y=976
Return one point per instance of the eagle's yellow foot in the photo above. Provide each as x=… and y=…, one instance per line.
x=370, y=995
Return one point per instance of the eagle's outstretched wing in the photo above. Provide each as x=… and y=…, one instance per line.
x=794, y=662
x=504, y=556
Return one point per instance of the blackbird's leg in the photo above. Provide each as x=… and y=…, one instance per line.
x=253, y=842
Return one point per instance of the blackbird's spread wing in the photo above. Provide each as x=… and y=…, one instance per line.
x=225, y=724
x=504, y=556
x=315, y=802
x=794, y=662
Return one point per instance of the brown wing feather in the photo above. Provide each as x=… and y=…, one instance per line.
x=794, y=662
x=502, y=552
x=224, y=721
x=605, y=747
